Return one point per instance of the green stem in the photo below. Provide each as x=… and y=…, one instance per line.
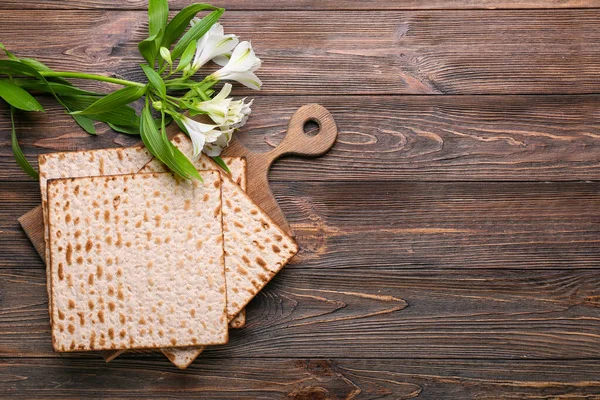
x=179, y=81
x=80, y=75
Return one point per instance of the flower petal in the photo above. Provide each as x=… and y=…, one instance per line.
x=222, y=60
x=248, y=79
x=214, y=46
x=243, y=58
x=198, y=141
x=225, y=91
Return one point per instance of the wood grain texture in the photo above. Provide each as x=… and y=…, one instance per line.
x=450, y=244
x=391, y=314
x=346, y=225
x=329, y=5
x=301, y=379
x=412, y=52
x=425, y=138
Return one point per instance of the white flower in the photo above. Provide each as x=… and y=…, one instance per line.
x=241, y=67
x=239, y=111
x=214, y=149
x=217, y=108
x=224, y=111
x=213, y=43
x=200, y=133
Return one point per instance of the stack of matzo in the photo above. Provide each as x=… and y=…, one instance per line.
x=137, y=258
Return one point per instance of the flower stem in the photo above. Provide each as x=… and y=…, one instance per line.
x=80, y=75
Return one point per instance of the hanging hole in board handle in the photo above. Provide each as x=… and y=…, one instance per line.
x=314, y=142
x=311, y=128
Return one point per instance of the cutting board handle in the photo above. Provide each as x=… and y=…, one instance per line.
x=296, y=142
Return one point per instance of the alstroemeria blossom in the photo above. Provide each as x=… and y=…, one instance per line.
x=214, y=149
x=213, y=43
x=225, y=111
x=200, y=133
x=239, y=111
x=241, y=67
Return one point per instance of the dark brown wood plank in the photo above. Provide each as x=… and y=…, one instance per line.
x=514, y=138
x=379, y=225
x=69, y=378
x=376, y=52
x=329, y=5
x=368, y=313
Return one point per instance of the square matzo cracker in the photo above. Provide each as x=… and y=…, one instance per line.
x=136, y=262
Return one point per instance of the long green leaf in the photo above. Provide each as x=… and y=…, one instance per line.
x=158, y=13
x=196, y=32
x=155, y=80
x=85, y=123
x=8, y=53
x=127, y=129
x=221, y=164
x=180, y=22
x=32, y=67
x=40, y=66
x=149, y=48
x=186, y=57
x=114, y=100
x=18, y=153
x=11, y=67
x=163, y=149
x=18, y=98
x=123, y=115
x=56, y=88
x=49, y=87
x=37, y=65
x=116, y=117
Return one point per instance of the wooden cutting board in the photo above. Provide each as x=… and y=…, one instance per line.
x=295, y=142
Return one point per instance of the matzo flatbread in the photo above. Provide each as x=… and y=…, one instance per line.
x=113, y=161
x=255, y=247
x=126, y=270
x=85, y=163
x=182, y=357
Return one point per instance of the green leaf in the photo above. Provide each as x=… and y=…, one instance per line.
x=121, y=116
x=62, y=86
x=49, y=87
x=158, y=13
x=149, y=48
x=196, y=32
x=155, y=80
x=117, y=117
x=40, y=66
x=114, y=100
x=85, y=123
x=18, y=98
x=187, y=56
x=127, y=129
x=8, y=53
x=163, y=149
x=180, y=22
x=11, y=67
x=221, y=164
x=18, y=153
x=37, y=65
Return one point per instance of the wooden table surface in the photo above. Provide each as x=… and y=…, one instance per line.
x=450, y=241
